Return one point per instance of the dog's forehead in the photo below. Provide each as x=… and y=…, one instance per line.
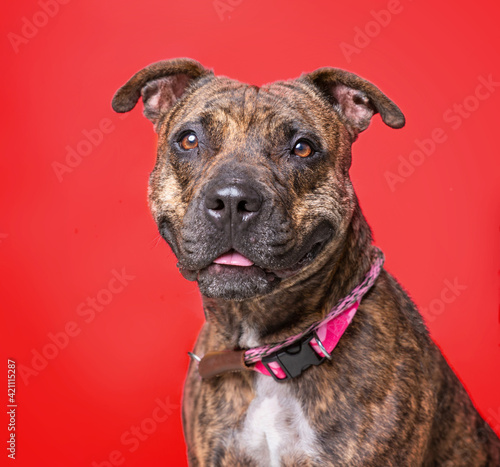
x=281, y=104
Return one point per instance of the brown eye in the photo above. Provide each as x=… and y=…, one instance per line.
x=302, y=149
x=190, y=141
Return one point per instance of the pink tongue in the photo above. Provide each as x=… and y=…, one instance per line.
x=233, y=258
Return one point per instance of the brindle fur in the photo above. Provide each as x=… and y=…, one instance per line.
x=388, y=397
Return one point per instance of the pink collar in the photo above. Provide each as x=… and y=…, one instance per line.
x=287, y=359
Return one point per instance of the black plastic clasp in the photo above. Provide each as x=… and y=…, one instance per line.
x=295, y=358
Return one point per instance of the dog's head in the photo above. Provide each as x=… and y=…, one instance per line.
x=251, y=186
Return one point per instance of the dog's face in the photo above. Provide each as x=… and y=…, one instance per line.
x=251, y=186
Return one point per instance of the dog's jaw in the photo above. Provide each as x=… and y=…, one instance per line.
x=234, y=277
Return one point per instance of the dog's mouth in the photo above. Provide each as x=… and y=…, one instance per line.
x=233, y=258
x=233, y=263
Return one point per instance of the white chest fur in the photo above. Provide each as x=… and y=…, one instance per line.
x=275, y=426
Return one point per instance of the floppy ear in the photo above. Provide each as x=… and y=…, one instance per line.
x=355, y=99
x=160, y=85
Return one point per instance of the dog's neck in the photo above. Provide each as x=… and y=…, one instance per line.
x=257, y=321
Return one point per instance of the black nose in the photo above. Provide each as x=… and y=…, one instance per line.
x=232, y=204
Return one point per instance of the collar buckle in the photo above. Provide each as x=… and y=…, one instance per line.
x=294, y=358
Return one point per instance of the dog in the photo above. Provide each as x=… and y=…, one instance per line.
x=311, y=354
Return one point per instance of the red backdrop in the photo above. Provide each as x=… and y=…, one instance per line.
x=95, y=313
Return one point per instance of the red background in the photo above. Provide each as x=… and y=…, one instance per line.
x=61, y=240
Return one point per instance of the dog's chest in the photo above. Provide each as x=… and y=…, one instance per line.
x=275, y=428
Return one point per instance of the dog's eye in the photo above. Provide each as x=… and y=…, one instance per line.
x=189, y=141
x=302, y=149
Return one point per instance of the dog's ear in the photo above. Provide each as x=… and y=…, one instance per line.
x=160, y=85
x=355, y=99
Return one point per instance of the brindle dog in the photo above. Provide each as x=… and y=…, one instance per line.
x=264, y=172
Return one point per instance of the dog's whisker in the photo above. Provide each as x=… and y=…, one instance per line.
x=156, y=241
